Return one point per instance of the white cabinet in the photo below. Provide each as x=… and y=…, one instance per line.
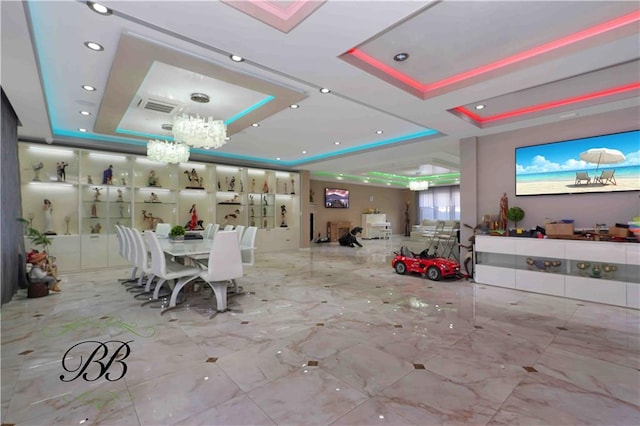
x=597, y=271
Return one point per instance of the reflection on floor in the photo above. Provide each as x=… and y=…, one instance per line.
x=326, y=336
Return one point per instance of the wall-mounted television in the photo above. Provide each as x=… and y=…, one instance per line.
x=335, y=198
x=604, y=163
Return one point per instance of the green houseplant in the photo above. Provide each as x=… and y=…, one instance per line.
x=515, y=214
x=37, y=238
x=177, y=232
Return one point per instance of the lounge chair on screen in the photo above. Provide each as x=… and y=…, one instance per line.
x=606, y=177
x=582, y=177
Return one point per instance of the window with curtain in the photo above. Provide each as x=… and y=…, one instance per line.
x=439, y=203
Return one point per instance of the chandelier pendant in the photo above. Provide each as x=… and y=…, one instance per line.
x=199, y=132
x=167, y=152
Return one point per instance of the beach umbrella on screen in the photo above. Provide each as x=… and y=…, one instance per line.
x=602, y=156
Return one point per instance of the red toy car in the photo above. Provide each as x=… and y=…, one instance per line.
x=434, y=268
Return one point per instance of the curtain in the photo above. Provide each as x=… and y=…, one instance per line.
x=439, y=203
x=12, y=233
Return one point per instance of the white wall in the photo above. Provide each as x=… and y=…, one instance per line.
x=495, y=174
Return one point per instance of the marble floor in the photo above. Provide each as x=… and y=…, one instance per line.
x=326, y=336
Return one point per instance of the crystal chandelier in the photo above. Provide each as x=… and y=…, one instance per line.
x=199, y=132
x=167, y=152
x=419, y=185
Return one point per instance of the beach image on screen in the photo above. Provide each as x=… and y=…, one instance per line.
x=596, y=164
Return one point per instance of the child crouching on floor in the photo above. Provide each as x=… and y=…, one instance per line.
x=40, y=272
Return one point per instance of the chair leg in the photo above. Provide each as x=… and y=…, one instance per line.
x=181, y=283
x=156, y=292
x=220, y=290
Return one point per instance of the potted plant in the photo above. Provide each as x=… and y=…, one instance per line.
x=515, y=214
x=177, y=233
x=37, y=238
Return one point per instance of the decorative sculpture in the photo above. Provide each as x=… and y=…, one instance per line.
x=97, y=194
x=67, y=219
x=504, y=206
x=36, y=170
x=94, y=210
x=60, y=168
x=264, y=200
x=152, y=180
x=47, y=207
x=232, y=183
x=283, y=213
x=95, y=229
x=253, y=185
x=107, y=175
x=193, y=223
x=250, y=200
x=89, y=180
x=119, y=200
x=195, y=181
x=241, y=186
x=150, y=220
x=265, y=187
x=293, y=190
x=153, y=198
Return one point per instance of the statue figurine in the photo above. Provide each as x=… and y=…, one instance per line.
x=152, y=180
x=285, y=187
x=219, y=186
x=195, y=182
x=504, y=206
x=250, y=200
x=94, y=210
x=253, y=213
x=119, y=200
x=264, y=211
x=67, y=219
x=124, y=181
x=283, y=213
x=241, y=186
x=226, y=182
x=47, y=207
x=36, y=170
x=193, y=223
x=97, y=194
x=264, y=199
x=89, y=180
x=265, y=187
x=96, y=228
x=253, y=185
x=60, y=168
x=107, y=175
x=293, y=191
x=153, y=198
x=232, y=183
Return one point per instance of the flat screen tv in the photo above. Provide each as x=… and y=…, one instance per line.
x=335, y=198
x=602, y=163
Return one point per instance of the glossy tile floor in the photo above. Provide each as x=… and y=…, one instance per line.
x=327, y=336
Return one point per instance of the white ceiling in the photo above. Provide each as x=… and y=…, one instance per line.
x=443, y=39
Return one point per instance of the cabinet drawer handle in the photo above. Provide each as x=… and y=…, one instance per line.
x=94, y=237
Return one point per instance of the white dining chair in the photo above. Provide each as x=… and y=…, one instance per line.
x=163, y=230
x=248, y=246
x=123, y=251
x=207, y=231
x=166, y=270
x=240, y=230
x=228, y=228
x=224, y=266
x=143, y=262
x=130, y=255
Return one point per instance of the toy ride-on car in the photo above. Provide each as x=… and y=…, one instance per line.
x=430, y=266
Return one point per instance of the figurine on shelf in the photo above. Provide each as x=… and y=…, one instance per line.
x=265, y=187
x=107, y=175
x=97, y=194
x=95, y=229
x=36, y=170
x=152, y=180
x=283, y=213
x=231, y=218
x=121, y=211
x=123, y=181
x=195, y=182
x=47, y=207
x=232, y=183
x=253, y=185
x=253, y=212
x=150, y=220
x=293, y=190
x=264, y=211
x=233, y=200
x=241, y=186
x=504, y=206
x=94, y=210
x=89, y=180
x=250, y=200
x=153, y=198
x=226, y=182
x=119, y=200
x=264, y=200
x=219, y=186
x=193, y=223
x=67, y=219
x=252, y=222
x=60, y=168
x=285, y=187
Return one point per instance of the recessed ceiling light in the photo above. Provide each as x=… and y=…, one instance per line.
x=399, y=57
x=227, y=138
x=366, y=181
x=88, y=88
x=304, y=152
x=325, y=90
x=480, y=106
x=167, y=127
x=294, y=106
x=255, y=125
x=236, y=58
x=379, y=132
x=388, y=183
x=336, y=143
x=85, y=113
x=93, y=46
x=278, y=158
x=81, y=129
x=569, y=115
x=98, y=8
